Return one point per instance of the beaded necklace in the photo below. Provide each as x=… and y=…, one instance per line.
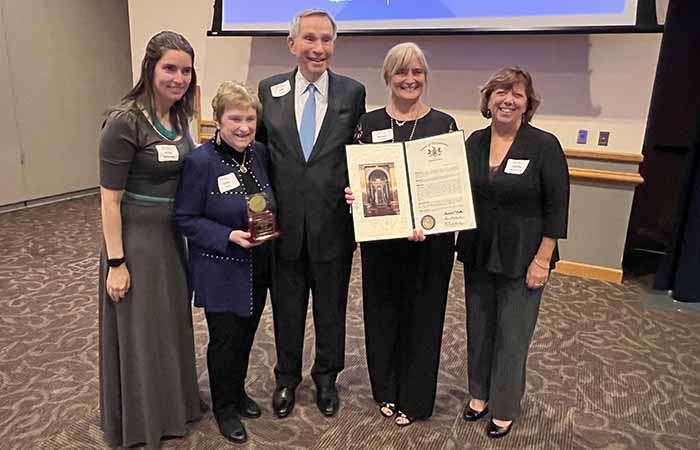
x=168, y=134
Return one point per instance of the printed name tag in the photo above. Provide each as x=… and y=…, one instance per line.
x=382, y=135
x=167, y=153
x=281, y=89
x=228, y=182
x=516, y=166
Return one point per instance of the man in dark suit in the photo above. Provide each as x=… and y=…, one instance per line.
x=309, y=115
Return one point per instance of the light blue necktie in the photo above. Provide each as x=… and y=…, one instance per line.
x=307, y=131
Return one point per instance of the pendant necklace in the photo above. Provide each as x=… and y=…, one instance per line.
x=402, y=123
x=241, y=165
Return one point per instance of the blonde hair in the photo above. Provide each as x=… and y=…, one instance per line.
x=399, y=57
x=232, y=94
x=506, y=78
x=295, y=24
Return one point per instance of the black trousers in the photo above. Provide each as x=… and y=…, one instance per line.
x=405, y=287
x=328, y=282
x=501, y=318
x=230, y=340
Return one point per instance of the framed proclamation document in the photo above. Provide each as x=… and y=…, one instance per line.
x=422, y=184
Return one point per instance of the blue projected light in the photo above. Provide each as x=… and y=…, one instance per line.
x=417, y=14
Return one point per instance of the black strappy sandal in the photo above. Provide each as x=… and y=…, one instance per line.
x=402, y=420
x=387, y=409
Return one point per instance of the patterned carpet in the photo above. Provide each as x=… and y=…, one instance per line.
x=606, y=371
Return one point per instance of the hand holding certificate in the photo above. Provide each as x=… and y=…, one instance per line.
x=421, y=184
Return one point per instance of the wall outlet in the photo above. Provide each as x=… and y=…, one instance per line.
x=582, y=137
x=604, y=138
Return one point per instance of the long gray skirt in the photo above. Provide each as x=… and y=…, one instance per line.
x=148, y=378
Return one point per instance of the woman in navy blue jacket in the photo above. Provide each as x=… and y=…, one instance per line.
x=228, y=271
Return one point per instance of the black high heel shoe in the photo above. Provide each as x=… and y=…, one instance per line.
x=495, y=431
x=470, y=415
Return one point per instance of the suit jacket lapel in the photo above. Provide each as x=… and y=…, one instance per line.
x=483, y=167
x=520, y=148
x=334, y=99
x=484, y=150
x=289, y=126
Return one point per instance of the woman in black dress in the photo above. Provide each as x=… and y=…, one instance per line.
x=520, y=183
x=405, y=281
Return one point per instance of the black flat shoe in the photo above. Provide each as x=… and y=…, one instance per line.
x=283, y=401
x=247, y=407
x=470, y=415
x=233, y=430
x=494, y=431
x=327, y=401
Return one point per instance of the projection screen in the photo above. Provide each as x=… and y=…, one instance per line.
x=272, y=16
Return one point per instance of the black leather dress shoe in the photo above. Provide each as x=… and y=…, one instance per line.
x=246, y=407
x=494, y=431
x=232, y=428
x=283, y=401
x=471, y=415
x=327, y=401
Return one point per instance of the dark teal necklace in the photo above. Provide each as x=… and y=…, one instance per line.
x=168, y=134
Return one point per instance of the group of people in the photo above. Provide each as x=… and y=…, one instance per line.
x=286, y=145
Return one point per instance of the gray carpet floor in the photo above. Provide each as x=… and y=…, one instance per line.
x=607, y=370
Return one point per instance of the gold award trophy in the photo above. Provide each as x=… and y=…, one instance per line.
x=261, y=221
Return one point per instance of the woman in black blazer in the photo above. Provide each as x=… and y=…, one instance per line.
x=520, y=183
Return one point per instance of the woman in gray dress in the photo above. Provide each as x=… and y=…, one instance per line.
x=148, y=378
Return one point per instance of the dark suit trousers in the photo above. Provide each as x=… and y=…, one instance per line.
x=328, y=282
x=230, y=340
x=501, y=318
x=405, y=288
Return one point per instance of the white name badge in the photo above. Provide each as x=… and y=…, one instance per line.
x=228, y=182
x=382, y=135
x=281, y=89
x=516, y=166
x=167, y=153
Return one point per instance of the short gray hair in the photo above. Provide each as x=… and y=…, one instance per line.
x=232, y=94
x=295, y=24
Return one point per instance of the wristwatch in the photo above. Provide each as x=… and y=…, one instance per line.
x=116, y=262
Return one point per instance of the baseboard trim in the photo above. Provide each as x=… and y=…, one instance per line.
x=589, y=271
x=50, y=199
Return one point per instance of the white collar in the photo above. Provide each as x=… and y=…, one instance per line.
x=301, y=83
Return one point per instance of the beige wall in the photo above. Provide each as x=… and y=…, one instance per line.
x=598, y=222
x=596, y=82
x=63, y=63
x=10, y=155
